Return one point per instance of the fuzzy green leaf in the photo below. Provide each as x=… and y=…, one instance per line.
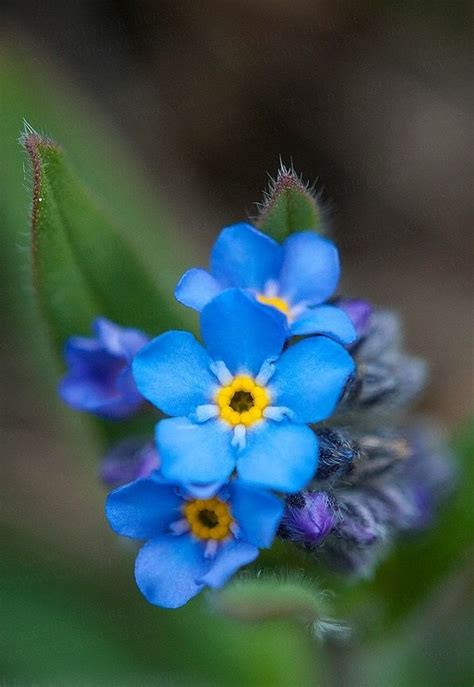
x=101, y=158
x=83, y=265
x=273, y=597
x=289, y=206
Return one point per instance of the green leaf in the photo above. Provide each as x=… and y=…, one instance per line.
x=100, y=157
x=121, y=189
x=289, y=206
x=82, y=263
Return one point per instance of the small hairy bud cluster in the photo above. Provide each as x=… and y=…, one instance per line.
x=378, y=477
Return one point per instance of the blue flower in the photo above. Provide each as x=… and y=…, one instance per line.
x=99, y=378
x=192, y=542
x=296, y=278
x=242, y=403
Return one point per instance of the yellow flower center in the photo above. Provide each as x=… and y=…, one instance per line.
x=277, y=302
x=208, y=518
x=242, y=402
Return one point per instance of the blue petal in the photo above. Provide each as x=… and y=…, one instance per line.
x=116, y=409
x=119, y=340
x=244, y=257
x=143, y=509
x=126, y=387
x=310, y=377
x=167, y=570
x=327, y=320
x=173, y=373
x=85, y=393
x=232, y=556
x=310, y=270
x=241, y=332
x=94, y=381
x=190, y=452
x=196, y=288
x=279, y=455
x=257, y=513
x=87, y=357
x=99, y=380
x=78, y=350
x=86, y=396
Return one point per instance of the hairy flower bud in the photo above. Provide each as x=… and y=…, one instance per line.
x=336, y=453
x=395, y=486
x=387, y=379
x=309, y=517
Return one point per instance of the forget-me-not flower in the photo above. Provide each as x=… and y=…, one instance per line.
x=296, y=277
x=99, y=378
x=192, y=542
x=241, y=401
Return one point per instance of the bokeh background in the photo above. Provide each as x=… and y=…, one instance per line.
x=195, y=104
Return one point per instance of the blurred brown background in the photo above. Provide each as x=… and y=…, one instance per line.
x=371, y=99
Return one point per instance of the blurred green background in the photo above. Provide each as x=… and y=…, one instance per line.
x=174, y=113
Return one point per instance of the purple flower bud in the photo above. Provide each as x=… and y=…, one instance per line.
x=99, y=379
x=358, y=522
x=425, y=480
x=127, y=461
x=309, y=517
x=359, y=311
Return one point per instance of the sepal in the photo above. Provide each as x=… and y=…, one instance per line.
x=289, y=205
x=279, y=597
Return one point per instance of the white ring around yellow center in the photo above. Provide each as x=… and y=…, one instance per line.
x=242, y=402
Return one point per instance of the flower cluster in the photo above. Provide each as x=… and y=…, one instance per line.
x=282, y=420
